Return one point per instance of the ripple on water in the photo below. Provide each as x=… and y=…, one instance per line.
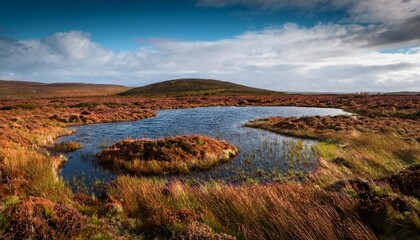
x=263, y=156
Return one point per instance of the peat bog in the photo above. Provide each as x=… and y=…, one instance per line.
x=263, y=156
x=359, y=186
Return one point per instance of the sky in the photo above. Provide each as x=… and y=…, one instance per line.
x=300, y=45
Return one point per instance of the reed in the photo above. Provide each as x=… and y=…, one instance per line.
x=272, y=211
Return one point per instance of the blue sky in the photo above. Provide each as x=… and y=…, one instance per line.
x=311, y=45
x=119, y=24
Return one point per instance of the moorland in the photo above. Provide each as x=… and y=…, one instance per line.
x=365, y=187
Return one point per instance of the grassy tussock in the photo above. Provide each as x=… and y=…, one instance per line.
x=66, y=146
x=353, y=147
x=272, y=211
x=32, y=172
x=180, y=154
x=289, y=211
x=360, y=157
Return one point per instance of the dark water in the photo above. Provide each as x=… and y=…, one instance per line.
x=263, y=156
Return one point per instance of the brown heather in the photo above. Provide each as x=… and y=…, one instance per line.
x=357, y=191
x=39, y=218
x=361, y=156
x=180, y=154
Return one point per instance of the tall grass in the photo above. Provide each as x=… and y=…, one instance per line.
x=364, y=156
x=34, y=171
x=274, y=211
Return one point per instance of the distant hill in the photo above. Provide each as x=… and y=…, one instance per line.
x=403, y=93
x=195, y=87
x=23, y=90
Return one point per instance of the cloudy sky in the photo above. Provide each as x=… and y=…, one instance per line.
x=300, y=45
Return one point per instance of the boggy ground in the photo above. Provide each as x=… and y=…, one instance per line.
x=361, y=156
x=358, y=191
x=180, y=154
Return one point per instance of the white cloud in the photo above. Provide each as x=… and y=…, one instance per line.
x=328, y=57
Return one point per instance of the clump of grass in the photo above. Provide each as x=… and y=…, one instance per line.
x=287, y=211
x=33, y=173
x=180, y=154
x=66, y=146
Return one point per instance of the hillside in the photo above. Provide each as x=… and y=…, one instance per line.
x=24, y=90
x=194, y=87
x=403, y=93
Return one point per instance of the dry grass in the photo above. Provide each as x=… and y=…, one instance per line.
x=196, y=87
x=32, y=173
x=364, y=156
x=353, y=147
x=65, y=147
x=274, y=211
x=326, y=127
x=277, y=210
x=30, y=90
x=180, y=154
x=370, y=149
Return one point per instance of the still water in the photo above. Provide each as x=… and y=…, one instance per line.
x=263, y=156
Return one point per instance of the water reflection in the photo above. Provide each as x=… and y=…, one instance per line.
x=263, y=156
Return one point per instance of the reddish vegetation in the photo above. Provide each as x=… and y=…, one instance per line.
x=39, y=218
x=39, y=119
x=386, y=139
x=247, y=211
x=386, y=106
x=85, y=200
x=265, y=211
x=160, y=222
x=317, y=126
x=172, y=154
x=65, y=147
x=36, y=113
x=33, y=115
x=25, y=90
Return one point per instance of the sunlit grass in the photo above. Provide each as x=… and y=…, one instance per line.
x=286, y=211
x=37, y=170
x=180, y=154
x=365, y=156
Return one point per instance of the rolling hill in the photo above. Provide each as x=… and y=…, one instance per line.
x=23, y=90
x=195, y=87
x=403, y=93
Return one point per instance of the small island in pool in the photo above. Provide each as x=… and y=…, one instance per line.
x=180, y=154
